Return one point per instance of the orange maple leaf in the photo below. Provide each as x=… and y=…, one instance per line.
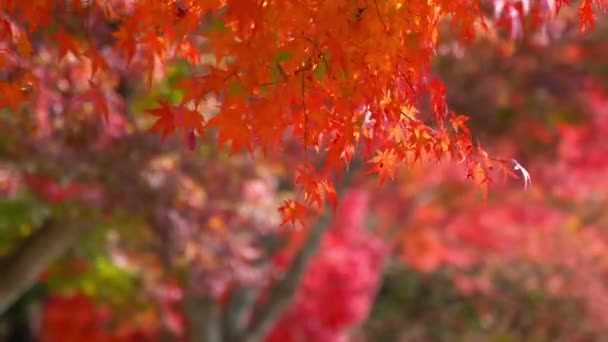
x=316, y=187
x=292, y=212
x=11, y=94
x=385, y=164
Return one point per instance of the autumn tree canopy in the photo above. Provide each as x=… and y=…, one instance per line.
x=332, y=78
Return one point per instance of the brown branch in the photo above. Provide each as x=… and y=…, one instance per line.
x=282, y=293
x=21, y=270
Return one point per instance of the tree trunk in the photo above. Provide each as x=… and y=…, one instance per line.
x=241, y=319
x=204, y=318
x=281, y=294
x=21, y=270
x=237, y=313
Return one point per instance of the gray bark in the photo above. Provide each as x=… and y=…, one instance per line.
x=204, y=319
x=238, y=312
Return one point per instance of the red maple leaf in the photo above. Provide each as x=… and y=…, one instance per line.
x=232, y=126
x=96, y=95
x=165, y=122
x=292, y=212
x=66, y=43
x=385, y=164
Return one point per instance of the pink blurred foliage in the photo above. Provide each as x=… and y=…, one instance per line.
x=557, y=226
x=9, y=183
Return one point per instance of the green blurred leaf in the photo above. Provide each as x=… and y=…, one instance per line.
x=218, y=25
x=235, y=89
x=320, y=71
x=275, y=74
x=283, y=56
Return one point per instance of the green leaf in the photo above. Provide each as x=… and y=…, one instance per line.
x=235, y=89
x=282, y=56
x=320, y=71
x=275, y=74
x=175, y=96
x=219, y=25
x=263, y=89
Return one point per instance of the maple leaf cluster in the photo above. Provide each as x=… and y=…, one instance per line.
x=337, y=78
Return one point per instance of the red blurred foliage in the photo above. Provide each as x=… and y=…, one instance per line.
x=338, y=288
x=76, y=318
x=54, y=192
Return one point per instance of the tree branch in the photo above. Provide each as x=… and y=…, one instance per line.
x=204, y=318
x=21, y=270
x=380, y=17
x=237, y=312
x=281, y=294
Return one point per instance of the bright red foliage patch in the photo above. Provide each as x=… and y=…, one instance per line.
x=338, y=288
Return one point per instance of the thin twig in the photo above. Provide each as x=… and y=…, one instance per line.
x=305, y=120
x=380, y=16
